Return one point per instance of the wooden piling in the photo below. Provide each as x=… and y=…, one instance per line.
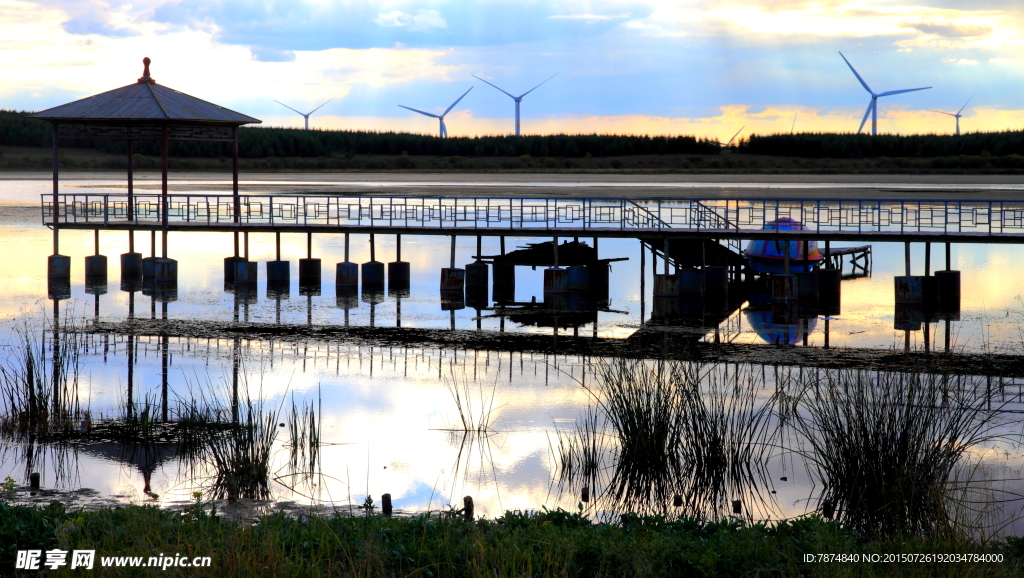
x=467, y=503
x=385, y=505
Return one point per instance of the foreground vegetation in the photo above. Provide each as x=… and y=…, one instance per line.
x=548, y=543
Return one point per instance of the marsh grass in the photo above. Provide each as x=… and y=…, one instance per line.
x=889, y=447
x=39, y=383
x=658, y=429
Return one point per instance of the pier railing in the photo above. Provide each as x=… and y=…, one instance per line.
x=728, y=216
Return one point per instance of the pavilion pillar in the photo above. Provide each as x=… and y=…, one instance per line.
x=165, y=270
x=231, y=264
x=58, y=267
x=131, y=262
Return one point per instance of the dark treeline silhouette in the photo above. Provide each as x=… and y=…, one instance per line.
x=850, y=145
x=18, y=130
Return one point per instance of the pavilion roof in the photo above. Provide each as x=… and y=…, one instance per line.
x=144, y=102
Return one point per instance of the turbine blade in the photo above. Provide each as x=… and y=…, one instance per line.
x=941, y=112
x=288, y=107
x=321, y=106
x=866, y=113
x=735, y=135
x=444, y=129
x=538, y=86
x=862, y=83
x=456, y=102
x=965, y=104
x=891, y=92
x=419, y=111
x=478, y=78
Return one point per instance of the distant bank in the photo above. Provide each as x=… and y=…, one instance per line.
x=25, y=145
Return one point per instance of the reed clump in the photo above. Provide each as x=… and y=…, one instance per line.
x=39, y=383
x=886, y=446
x=660, y=429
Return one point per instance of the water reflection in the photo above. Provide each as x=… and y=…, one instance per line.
x=673, y=438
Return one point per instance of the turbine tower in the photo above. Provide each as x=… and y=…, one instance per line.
x=304, y=115
x=957, y=114
x=440, y=118
x=519, y=98
x=873, y=105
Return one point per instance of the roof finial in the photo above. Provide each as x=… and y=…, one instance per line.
x=146, y=78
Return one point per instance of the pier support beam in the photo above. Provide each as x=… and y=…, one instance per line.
x=278, y=271
x=453, y=279
x=373, y=271
x=131, y=262
x=149, y=263
x=399, y=277
x=346, y=274
x=96, y=264
x=310, y=270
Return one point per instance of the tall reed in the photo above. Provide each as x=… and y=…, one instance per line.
x=886, y=445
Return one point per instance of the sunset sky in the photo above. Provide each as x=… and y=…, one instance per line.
x=698, y=67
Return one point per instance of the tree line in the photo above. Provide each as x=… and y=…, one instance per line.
x=256, y=142
x=850, y=145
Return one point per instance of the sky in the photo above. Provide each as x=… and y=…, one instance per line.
x=701, y=67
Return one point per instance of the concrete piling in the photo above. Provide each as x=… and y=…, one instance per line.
x=95, y=268
x=347, y=275
x=691, y=282
x=58, y=267
x=666, y=285
x=246, y=272
x=373, y=270
x=453, y=279
x=476, y=276
x=909, y=290
x=230, y=266
x=807, y=287
x=716, y=282
x=278, y=271
x=784, y=287
x=165, y=270
x=556, y=280
x=949, y=290
x=346, y=272
x=310, y=270
x=399, y=271
x=504, y=284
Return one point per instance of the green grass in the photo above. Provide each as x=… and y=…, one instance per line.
x=545, y=543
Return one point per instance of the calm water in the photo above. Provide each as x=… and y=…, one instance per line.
x=389, y=413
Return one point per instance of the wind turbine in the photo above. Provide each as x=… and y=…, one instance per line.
x=725, y=144
x=873, y=105
x=304, y=115
x=957, y=115
x=444, y=130
x=519, y=98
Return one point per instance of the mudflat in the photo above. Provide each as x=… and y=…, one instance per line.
x=806, y=186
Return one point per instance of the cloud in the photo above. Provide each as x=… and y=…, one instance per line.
x=271, y=54
x=97, y=17
x=590, y=17
x=1000, y=61
x=422, y=20
x=952, y=30
x=960, y=60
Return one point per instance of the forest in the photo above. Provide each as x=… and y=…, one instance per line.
x=257, y=142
